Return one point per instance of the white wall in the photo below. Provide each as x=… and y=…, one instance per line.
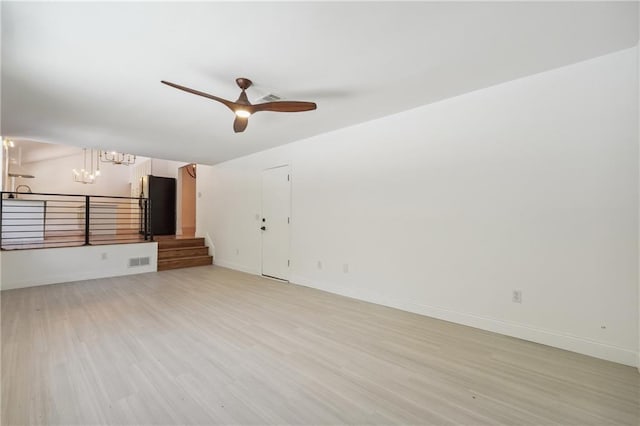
x=54, y=176
x=28, y=268
x=444, y=210
x=638, y=118
x=152, y=166
x=166, y=168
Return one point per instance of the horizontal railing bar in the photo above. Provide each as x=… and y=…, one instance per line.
x=22, y=225
x=49, y=208
x=124, y=237
x=23, y=231
x=119, y=237
x=38, y=218
x=31, y=239
x=116, y=222
x=61, y=241
x=41, y=244
x=107, y=203
x=7, y=211
x=132, y=222
x=68, y=195
x=53, y=241
x=129, y=222
x=48, y=202
x=79, y=206
x=135, y=211
x=97, y=204
x=132, y=206
x=114, y=236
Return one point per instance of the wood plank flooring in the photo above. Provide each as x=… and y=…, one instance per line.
x=208, y=345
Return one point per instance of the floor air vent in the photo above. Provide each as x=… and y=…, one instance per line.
x=138, y=261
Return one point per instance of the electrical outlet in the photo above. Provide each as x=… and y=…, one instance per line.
x=319, y=264
x=517, y=296
x=237, y=252
x=345, y=268
x=103, y=256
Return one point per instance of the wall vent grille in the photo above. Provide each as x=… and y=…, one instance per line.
x=139, y=261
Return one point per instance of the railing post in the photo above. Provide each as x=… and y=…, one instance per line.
x=142, y=218
x=149, y=227
x=86, y=219
x=1, y=214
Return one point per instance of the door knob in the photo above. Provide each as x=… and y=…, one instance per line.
x=264, y=228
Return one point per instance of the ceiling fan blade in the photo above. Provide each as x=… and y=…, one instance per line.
x=284, y=106
x=240, y=123
x=231, y=105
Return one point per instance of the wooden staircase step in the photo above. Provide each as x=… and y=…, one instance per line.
x=180, y=242
x=184, y=262
x=177, y=252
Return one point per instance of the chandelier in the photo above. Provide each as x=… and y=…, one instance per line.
x=117, y=157
x=87, y=174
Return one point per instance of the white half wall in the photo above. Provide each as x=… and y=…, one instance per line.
x=446, y=209
x=28, y=268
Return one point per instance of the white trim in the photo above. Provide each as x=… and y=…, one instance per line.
x=209, y=243
x=521, y=331
x=280, y=280
x=236, y=267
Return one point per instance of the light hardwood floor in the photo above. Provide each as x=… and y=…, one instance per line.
x=209, y=345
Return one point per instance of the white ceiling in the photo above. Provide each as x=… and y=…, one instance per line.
x=88, y=74
x=26, y=151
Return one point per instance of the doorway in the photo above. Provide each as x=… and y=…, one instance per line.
x=276, y=212
x=187, y=210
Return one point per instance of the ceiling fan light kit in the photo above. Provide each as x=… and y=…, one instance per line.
x=243, y=109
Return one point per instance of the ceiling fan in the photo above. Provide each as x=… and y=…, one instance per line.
x=243, y=109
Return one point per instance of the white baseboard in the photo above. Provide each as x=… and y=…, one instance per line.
x=521, y=331
x=235, y=266
x=209, y=243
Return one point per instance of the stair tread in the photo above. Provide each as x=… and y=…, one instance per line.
x=180, y=243
x=178, y=259
x=180, y=248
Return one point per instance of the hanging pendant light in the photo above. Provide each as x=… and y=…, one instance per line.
x=86, y=175
x=115, y=157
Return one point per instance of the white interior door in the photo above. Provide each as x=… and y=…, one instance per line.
x=276, y=210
